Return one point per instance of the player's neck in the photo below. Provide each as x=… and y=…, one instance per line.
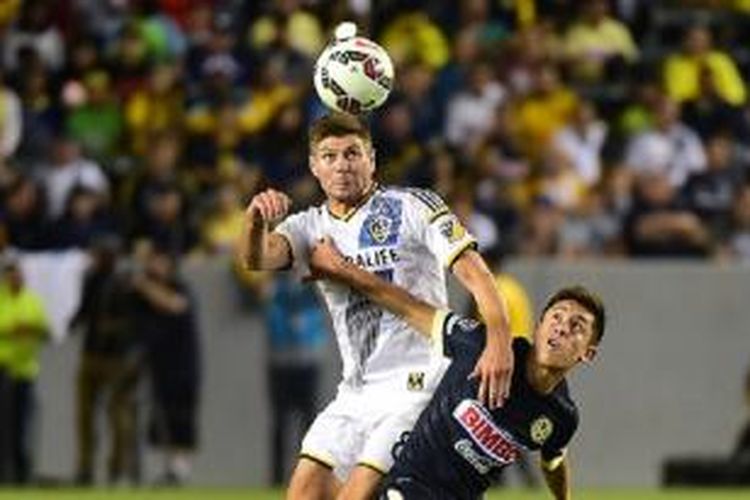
x=342, y=208
x=542, y=379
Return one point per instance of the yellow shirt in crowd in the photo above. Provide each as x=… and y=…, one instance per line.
x=682, y=77
x=518, y=303
x=19, y=353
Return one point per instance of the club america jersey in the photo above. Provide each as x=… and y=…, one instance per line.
x=458, y=446
x=407, y=236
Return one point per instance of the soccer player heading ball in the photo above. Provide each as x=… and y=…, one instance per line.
x=409, y=237
x=459, y=445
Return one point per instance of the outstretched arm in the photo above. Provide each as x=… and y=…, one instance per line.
x=495, y=366
x=557, y=477
x=259, y=247
x=327, y=262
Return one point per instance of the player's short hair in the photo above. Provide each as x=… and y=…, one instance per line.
x=338, y=125
x=589, y=300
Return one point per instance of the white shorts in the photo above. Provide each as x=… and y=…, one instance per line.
x=360, y=427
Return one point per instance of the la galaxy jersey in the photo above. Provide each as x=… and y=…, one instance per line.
x=406, y=236
x=458, y=446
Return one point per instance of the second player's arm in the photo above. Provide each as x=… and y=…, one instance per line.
x=327, y=262
x=557, y=477
x=495, y=365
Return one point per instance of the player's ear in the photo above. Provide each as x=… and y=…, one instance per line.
x=588, y=356
x=311, y=164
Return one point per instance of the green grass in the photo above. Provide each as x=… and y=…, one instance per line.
x=249, y=494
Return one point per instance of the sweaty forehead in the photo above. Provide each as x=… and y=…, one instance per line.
x=334, y=143
x=574, y=307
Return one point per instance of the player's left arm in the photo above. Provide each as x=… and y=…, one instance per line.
x=557, y=476
x=495, y=365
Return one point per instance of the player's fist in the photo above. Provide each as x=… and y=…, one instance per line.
x=270, y=206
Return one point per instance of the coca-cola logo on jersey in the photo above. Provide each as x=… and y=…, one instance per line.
x=492, y=440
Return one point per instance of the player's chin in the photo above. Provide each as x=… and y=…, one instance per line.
x=554, y=360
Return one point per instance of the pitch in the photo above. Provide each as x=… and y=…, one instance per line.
x=251, y=494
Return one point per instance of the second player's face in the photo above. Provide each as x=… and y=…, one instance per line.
x=564, y=336
x=344, y=166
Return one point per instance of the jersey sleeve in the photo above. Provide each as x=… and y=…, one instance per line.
x=444, y=235
x=296, y=230
x=554, y=452
x=453, y=335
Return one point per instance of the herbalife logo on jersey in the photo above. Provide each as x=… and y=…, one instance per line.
x=489, y=437
x=374, y=259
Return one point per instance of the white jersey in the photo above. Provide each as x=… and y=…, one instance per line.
x=407, y=236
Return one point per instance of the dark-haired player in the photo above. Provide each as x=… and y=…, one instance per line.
x=459, y=445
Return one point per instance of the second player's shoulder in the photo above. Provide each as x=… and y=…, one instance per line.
x=457, y=335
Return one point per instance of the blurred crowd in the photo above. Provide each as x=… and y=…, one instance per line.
x=554, y=127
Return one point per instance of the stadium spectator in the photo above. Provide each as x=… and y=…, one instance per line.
x=413, y=36
x=710, y=194
x=297, y=329
x=23, y=327
x=741, y=452
x=416, y=87
x=34, y=32
x=42, y=117
x=539, y=115
x=659, y=224
x=168, y=222
x=65, y=169
x=739, y=239
x=96, y=124
x=528, y=50
x=471, y=112
x=669, y=147
x=277, y=150
x=400, y=154
x=108, y=368
x=23, y=215
x=454, y=74
x=11, y=120
x=223, y=222
x=710, y=114
x=582, y=142
x=86, y=218
x=558, y=182
x=597, y=45
x=157, y=107
x=165, y=314
x=682, y=71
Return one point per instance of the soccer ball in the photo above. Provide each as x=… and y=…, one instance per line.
x=353, y=75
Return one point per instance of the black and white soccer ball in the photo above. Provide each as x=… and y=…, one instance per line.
x=353, y=74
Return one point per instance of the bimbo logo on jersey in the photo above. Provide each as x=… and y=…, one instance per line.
x=483, y=431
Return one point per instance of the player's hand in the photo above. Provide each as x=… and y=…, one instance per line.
x=326, y=261
x=270, y=206
x=495, y=371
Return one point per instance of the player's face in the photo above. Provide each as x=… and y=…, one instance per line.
x=563, y=338
x=344, y=166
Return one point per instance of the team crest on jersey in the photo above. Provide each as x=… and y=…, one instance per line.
x=452, y=230
x=541, y=429
x=415, y=381
x=382, y=224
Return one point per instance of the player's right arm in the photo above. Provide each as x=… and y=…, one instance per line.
x=557, y=476
x=259, y=247
x=327, y=262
